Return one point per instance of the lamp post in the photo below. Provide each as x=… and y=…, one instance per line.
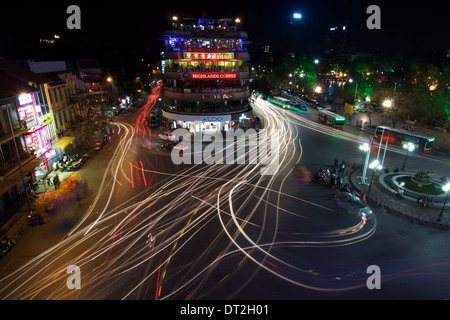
x=408, y=147
x=446, y=188
x=375, y=165
x=356, y=89
x=365, y=147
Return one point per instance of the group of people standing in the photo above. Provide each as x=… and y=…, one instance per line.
x=425, y=201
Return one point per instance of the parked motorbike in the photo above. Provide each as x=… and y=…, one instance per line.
x=5, y=245
x=342, y=166
x=333, y=181
x=319, y=176
x=36, y=218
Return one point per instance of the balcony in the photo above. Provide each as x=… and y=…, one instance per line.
x=179, y=54
x=206, y=94
x=19, y=129
x=181, y=75
x=208, y=108
x=10, y=165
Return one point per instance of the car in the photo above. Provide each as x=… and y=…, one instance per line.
x=167, y=136
x=301, y=107
x=169, y=145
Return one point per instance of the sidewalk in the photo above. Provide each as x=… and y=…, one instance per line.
x=382, y=196
x=13, y=222
x=441, y=145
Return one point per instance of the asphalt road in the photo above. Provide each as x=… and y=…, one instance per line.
x=155, y=230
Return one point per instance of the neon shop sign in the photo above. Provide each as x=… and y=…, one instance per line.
x=208, y=56
x=227, y=75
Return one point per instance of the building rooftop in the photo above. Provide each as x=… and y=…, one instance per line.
x=22, y=73
x=10, y=87
x=224, y=27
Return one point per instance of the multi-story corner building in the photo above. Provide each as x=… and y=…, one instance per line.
x=205, y=68
x=24, y=145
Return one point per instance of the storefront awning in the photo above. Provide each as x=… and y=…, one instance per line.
x=64, y=142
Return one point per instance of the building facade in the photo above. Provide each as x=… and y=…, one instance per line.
x=205, y=69
x=24, y=144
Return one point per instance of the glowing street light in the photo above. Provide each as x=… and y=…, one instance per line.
x=446, y=188
x=318, y=89
x=297, y=15
x=365, y=147
x=387, y=103
x=375, y=165
x=408, y=147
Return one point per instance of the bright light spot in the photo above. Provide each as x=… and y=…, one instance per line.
x=387, y=103
x=374, y=164
x=409, y=146
x=446, y=187
x=364, y=147
x=297, y=16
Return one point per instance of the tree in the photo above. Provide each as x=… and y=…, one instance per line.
x=260, y=85
x=441, y=96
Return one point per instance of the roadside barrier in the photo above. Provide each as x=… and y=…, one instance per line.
x=415, y=215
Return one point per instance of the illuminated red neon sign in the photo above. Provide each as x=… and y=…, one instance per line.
x=225, y=75
x=208, y=56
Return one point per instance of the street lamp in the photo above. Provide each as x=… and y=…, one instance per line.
x=446, y=188
x=408, y=147
x=365, y=147
x=356, y=89
x=387, y=103
x=375, y=165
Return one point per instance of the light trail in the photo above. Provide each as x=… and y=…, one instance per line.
x=129, y=247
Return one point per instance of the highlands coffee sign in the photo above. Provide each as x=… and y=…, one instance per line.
x=222, y=75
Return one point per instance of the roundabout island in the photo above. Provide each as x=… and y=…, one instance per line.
x=419, y=196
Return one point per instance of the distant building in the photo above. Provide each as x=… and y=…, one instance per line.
x=336, y=40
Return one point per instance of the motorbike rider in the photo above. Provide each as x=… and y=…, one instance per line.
x=346, y=188
x=36, y=218
x=333, y=180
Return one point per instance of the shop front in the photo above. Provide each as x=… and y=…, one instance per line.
x=65, y=145
x=206, y=124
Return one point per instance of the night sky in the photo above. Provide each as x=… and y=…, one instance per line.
x=405, y=26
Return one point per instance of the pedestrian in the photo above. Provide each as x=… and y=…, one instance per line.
x=363, y=197
x=32, y=195
x=85, y=186
x=56, y=182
